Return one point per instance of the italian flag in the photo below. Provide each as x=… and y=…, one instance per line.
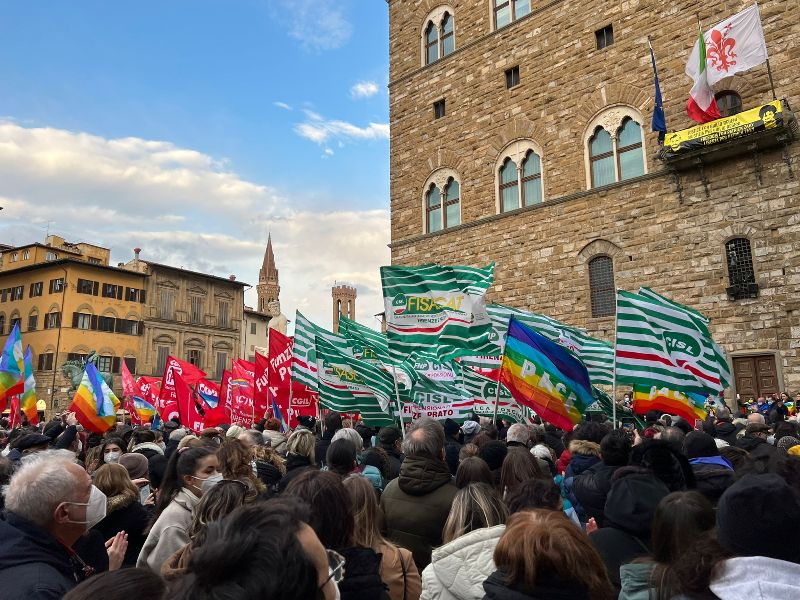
x=701, y=106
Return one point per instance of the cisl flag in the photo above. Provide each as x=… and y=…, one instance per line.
x=731, y=46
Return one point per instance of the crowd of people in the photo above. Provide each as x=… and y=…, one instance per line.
x=477, y=510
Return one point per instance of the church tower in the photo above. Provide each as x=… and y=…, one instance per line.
x=344, y=303
x=268, y=288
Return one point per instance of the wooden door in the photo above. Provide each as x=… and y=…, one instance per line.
x=755, y=376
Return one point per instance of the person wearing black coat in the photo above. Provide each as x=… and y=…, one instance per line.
x=296, y=464
x=125, y=513
x=713, y=474
x=333, y=423
x=629, y=511
x=755, y=442
x=592, y=486
x=777, y=412
x=389, y=439
x=722, y=426
x=452, y=445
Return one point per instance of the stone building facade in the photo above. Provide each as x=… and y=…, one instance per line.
x=193, y=316
x=471, y=108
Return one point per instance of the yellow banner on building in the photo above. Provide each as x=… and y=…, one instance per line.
x=768, y=116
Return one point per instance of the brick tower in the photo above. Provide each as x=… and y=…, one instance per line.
x=344, y=303
x=268, y=288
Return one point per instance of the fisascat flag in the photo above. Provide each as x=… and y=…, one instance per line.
x=597, y=355
x=348, y=386
x=701, y=107
x=94, y=404
x=733, y=45
x=663, y=344
x=441, y=308
x=304, y=359
x=543, y=376
x=28, y=400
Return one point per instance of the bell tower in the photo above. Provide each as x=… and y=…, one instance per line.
x=268, y=288
x=344, y=303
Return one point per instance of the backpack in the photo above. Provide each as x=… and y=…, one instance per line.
x=362, y=575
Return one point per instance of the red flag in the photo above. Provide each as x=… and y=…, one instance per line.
x=187, y=408
x=240, y=395
x=245, y=366
x=262, y=397
x=213, y=402
x=168, y=399
x=304, y=403
x=131, y=409
x=280, y=370
x=129, y=386
x=15, y=418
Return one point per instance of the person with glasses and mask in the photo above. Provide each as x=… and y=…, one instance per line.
x=50, y=504
x=189, y=474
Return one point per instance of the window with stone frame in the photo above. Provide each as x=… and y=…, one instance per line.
x=519, y=176
x=196, y=314
x=615, y=147
x=224, y=314
x=507, y=11
x=438, y=35
x=729, y=103
x=602, y=292
x=104, y=364
x=194, y=357
x=741, y=274
x=2, y=324
x=162, y=355
x=442, y=204
x=222, y=363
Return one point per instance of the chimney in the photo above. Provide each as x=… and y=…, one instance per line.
x=232, y=277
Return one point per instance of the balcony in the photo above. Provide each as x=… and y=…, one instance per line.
x=772, y=125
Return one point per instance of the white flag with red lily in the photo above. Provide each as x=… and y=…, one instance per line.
x=732, y=46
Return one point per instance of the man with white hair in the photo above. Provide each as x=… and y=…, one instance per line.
x=50, y=503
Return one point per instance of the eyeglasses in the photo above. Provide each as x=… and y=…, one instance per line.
x=336, y=565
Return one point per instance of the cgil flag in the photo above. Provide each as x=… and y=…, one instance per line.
x=28, y=399
x=94, y=404
x=732, y=46
x=543, y=376
x=701, y=107
x=664, y=344
x=437, y=307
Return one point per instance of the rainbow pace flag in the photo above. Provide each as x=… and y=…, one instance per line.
x=94, y=404
x=12, y=368
x=544, y=376
x=28, y=399
x=688, y=406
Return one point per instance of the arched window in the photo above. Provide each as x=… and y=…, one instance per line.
x=509, y=186
x=448, y=37
x=741, y=275
x=531, y=179
x=433, y=209
x=2, y=324
x=615, y=147
x=452, y=203
x=629, y=150
x=431, y=43
x=601, y=158
x=729, y=103
x=508, y=11
x=601, y=286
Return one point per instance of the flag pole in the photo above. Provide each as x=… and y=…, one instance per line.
x=397, y=398
x=771, y=82
x=769, y=68
x=614, y=376
x=500, y=376
x=496, y=400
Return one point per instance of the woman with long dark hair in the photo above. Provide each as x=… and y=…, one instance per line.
x=189, y=473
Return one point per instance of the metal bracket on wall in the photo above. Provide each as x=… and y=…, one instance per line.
x=676, y=178
x=703, y=178
x=757, y=164
x=786, y=158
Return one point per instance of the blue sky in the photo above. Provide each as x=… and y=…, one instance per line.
x=283, y=101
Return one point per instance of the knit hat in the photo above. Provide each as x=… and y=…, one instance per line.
x=787, y=442
x=698, y=444
x=756, y=428
x=234, y=431
x=450, y=427
x=470, y=427
x=135, y=463
x=494, y=453
x=632, y=501
x=759, y=515
x=31, y=440
x=723, y=414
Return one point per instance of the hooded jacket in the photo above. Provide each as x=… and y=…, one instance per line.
x=725, y=430
x=635, y=578
x=713, y=475
x=34, y=565
x=459, y=568
x=591, y=489
x=584, y=455
x=756, y=578
x=277, y=440
x=546, y=589
x=169, y=533
x=148, y=449
x=416, y=506
x=760, y=451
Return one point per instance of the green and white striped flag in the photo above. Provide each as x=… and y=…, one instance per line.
x=439, y=308
x=597, y=355
x=347, y=384
x=304, y=358
x=667, y=345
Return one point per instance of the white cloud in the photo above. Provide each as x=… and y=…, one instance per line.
x=364, y=89
x=316, y=24
x=328, y=152
x=185, y=208
x=282, y=105
x=318, y=129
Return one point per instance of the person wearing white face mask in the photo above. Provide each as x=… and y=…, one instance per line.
x=50, y=503
x=112, y=450
x=189, y=473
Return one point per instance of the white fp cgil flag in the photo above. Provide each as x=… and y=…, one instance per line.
x=732, y=46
